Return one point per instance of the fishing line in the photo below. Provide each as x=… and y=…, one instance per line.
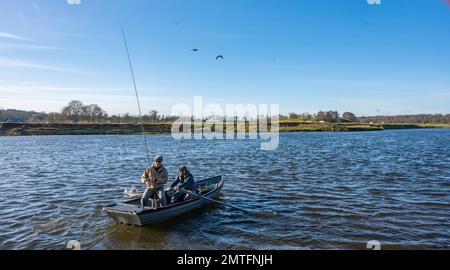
x=137, y=96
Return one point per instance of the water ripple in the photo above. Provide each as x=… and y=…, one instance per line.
x=328, y=191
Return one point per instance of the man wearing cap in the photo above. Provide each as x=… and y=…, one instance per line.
x=184, y=181
x=154, y=177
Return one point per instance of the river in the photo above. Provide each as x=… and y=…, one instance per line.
x=328, y=190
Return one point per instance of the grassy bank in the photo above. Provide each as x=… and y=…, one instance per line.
x=32, y=129
x=413, y=126
x=21, y=129
x=325, y=127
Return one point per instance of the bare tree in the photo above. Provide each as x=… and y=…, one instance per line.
x=97, y=113
x=74, y=110
x=153, y=116
x=294, y=116
x=350, y=117
x=330, y=116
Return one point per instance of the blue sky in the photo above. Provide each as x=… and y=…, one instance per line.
x=346, y=55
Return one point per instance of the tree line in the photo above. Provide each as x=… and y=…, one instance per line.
x=348, y=117
x=408, y=119
x=78, y=112
x=322, y=116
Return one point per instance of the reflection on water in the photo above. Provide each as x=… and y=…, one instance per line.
x=329, y=190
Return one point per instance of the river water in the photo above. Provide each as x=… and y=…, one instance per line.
x=329, y=191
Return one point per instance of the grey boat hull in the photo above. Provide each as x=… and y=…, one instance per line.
x=131, y=213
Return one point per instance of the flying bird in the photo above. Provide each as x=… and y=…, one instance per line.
x=219, y=57
x=195, y=50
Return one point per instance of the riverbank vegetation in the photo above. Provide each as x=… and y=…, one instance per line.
x=79, y=119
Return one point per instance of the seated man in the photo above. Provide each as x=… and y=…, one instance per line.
x=184, y=181
x=154, y=177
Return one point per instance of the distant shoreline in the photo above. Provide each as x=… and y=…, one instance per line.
x=40, y=129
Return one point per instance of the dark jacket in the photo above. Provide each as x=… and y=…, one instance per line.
x=186, y=183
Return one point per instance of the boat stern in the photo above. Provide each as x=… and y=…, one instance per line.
x=128, y=217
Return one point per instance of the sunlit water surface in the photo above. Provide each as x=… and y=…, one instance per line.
x=329, y=190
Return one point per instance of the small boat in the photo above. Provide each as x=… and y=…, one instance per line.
x=131, y=212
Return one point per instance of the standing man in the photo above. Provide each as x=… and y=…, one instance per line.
x=154, y=177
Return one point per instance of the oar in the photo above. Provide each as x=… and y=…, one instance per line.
x=218, y=202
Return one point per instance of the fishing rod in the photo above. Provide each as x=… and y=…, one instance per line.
x=137, y=96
